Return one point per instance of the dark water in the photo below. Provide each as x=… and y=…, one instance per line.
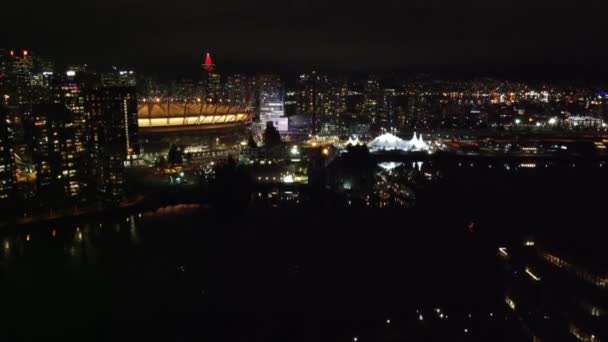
x=185, y=274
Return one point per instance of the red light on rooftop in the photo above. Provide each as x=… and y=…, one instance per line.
x=25, y=52
x=12, y=52
x=208, y=59
x=209, y=66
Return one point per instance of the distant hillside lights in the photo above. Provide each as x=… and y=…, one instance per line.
x=571, y=122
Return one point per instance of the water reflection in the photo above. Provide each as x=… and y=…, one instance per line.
x=174, y=210
x=133, y=232
x=79, y=243
x=83, y=244
x=395, y=184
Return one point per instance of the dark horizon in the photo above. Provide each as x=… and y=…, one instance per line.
x=190, y=67
x=547, y=39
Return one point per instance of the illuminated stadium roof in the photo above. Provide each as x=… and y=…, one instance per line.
x=164, y=115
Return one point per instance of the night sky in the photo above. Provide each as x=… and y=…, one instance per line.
x=494, y=37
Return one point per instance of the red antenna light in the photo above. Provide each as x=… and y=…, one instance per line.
x=12, y=52
x=209, y=66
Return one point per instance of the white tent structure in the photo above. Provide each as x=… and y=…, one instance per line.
x=389, y=142
x=388, y=166
x=354, y=142
x=417, y=144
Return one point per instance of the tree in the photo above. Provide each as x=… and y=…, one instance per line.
x=176, y=155
x=162, y=162
x=251, y=143
x=230, y=187
x=272, y=137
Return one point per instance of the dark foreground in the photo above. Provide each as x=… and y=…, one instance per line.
x=185, y=273
x=261, y=276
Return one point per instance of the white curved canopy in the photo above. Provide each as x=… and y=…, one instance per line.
x=353, y=142
x=390, y=142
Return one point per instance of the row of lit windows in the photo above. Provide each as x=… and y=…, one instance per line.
x=597, y=280
x=581, y=335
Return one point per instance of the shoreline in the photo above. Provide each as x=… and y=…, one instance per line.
x=142, y=203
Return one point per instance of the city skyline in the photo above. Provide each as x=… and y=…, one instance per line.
x=303, y=170
x=543, y=39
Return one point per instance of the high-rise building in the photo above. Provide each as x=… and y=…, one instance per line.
x=55, y=154
x=113, y=113
x=603, y=107
x=71, y=92
x=311, y=97
x=417, y=111
x=335, y=99
x=4, y=69
x=237, y=90
x=26, y=79
x=321, y=99
x=47, y=85
x=213, y=88
x=372, y=99
x=271, y=101
x=41, y=65
x=386, y=116
x=305, y=94
x=214, y=94
x=44, y=87
x=116, y=78
x=21, y=67
x=72, y=96
x=76, y=68
x=7, y=159
x=21, y=62
x=4, y=60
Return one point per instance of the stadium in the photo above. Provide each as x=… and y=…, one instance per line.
x=166, y=116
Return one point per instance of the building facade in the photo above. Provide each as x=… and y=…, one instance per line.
x=55, y=154
x=271, y=100
x=113, y=112
x=557, y=291
x=7, y=158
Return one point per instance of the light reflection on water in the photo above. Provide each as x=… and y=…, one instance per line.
x=82, y=243
x=174, y=209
